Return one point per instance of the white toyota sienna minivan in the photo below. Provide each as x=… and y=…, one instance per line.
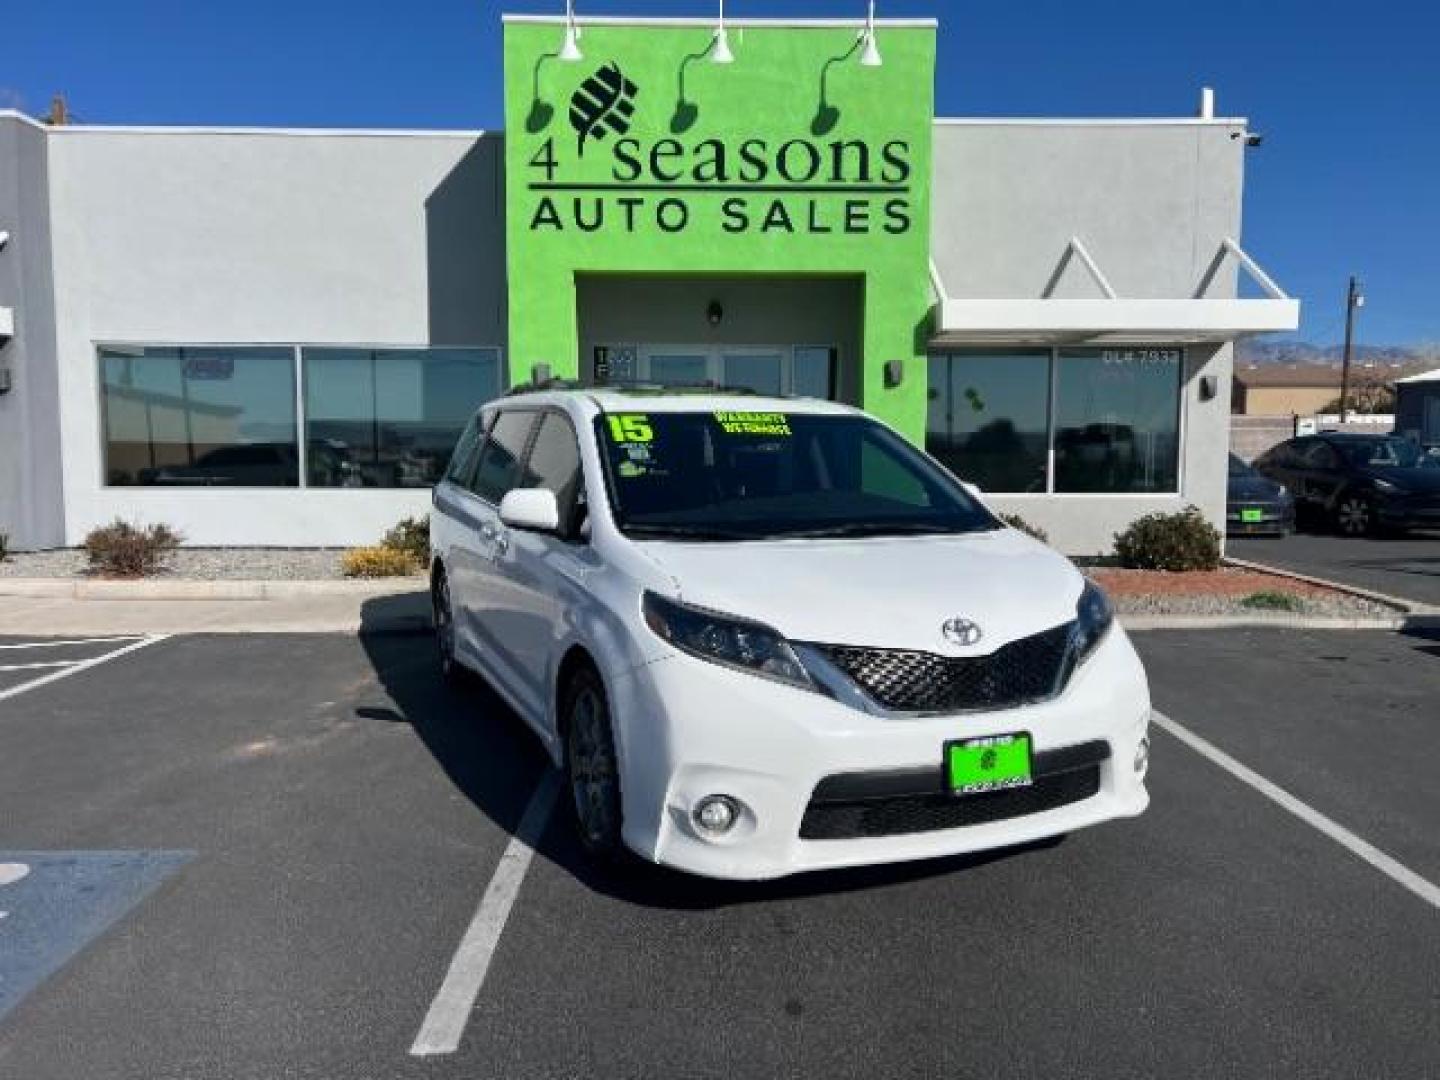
x=767, y=635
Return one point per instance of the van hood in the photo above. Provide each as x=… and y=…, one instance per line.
x=890, y=592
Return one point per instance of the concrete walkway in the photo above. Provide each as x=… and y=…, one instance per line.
x=55, y=607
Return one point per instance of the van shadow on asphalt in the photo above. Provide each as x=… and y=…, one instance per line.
x=492, y=757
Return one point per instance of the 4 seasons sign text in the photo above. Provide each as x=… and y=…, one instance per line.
x=765, y=185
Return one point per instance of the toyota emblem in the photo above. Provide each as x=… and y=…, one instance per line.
x=959, y=631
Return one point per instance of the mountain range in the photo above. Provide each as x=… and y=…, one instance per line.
x=1254, y=353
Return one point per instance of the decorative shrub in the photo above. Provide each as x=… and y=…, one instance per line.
x=1015, y=521
x=410, y=536
x=1270, y=600
x=125, y=550
x=1183, y=541
x=376, y=562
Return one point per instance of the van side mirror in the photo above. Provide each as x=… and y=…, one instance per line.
x=532, y=509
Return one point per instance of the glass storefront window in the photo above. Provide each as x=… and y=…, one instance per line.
x=814, y=373
x=188, y=416
x=1117, y=420
x=987, y=419
x=389, y=418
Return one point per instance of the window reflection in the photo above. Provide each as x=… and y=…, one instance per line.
x=199, y=416
x=1117, y=420
x=988, y=418
x=389, y=418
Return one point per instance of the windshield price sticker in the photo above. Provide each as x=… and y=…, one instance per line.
x=753, y=423
x=630, y=428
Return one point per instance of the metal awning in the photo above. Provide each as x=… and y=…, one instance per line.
x=1113, y=319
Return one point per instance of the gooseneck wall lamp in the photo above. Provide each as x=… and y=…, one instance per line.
x=570, y=51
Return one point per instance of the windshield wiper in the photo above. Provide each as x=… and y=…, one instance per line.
x=685, y=532
x=874, y=528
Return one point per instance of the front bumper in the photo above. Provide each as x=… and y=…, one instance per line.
x=1275, y=519
x=687, y=729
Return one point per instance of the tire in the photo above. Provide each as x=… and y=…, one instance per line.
x=592, y=768
x=443, y=618
x=1354, y=515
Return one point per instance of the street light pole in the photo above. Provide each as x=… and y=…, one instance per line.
x=1353, y=299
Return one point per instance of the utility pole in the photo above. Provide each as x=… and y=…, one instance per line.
x=1354, y=299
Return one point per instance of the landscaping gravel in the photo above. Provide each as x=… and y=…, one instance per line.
x=199, y=564
x=1327, y=605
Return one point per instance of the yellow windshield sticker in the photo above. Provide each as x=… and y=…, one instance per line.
x=630, y=428
x=753, y=423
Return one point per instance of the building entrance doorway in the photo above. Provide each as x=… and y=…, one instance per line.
x=783, y=370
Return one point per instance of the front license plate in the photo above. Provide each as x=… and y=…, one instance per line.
x=990, y=763
x=1252, y=516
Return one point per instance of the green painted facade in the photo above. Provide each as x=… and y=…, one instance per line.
x=646, y=158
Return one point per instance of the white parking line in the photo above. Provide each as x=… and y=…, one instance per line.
x=51, y=644
x=38, y=664
x=79, y=666
x=450, y=1011
x=1396, y=871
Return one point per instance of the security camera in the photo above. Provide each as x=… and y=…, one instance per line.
x=1252, y=138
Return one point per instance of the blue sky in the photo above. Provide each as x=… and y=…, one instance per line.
x=1347, y=96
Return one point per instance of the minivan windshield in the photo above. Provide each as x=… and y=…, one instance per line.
x=754, y=475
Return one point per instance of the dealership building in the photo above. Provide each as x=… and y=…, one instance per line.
x=274, y=336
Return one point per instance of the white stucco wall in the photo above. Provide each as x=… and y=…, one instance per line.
x=240, y=237
x=1151, y=201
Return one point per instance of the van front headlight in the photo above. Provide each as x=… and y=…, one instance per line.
x=725, y=640
x=1093, y=619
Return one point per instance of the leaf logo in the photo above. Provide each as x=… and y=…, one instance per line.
x=604, y=102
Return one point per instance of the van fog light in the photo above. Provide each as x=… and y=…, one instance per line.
x=1142, y=754
x=717, y=814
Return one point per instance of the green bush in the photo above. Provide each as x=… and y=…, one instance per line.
x=124, y=550
x=1271, y=600
x=1183, y=541
x=1015, y=521
x=411, y=537
x=376, y=562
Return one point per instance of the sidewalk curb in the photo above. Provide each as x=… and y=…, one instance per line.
x=170, y=590
x=1407, y=607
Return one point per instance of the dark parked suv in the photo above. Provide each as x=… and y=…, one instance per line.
x=1358, y=483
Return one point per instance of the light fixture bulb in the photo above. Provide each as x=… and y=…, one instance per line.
x=870, y=54
x=570, y=50
x=720, y=53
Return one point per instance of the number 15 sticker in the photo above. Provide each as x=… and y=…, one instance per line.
x=634, y=428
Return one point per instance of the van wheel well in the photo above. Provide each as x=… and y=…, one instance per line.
x=572, y=662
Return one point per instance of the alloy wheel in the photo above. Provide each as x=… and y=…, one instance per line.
x=444, y=625
x=1354, y=516
x=592, y=768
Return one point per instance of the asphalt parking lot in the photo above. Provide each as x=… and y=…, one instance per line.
x=1406, y=565
x=255, y=857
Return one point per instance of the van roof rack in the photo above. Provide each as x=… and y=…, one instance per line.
x=638, y=387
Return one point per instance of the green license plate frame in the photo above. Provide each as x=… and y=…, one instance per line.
x=989, y=763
